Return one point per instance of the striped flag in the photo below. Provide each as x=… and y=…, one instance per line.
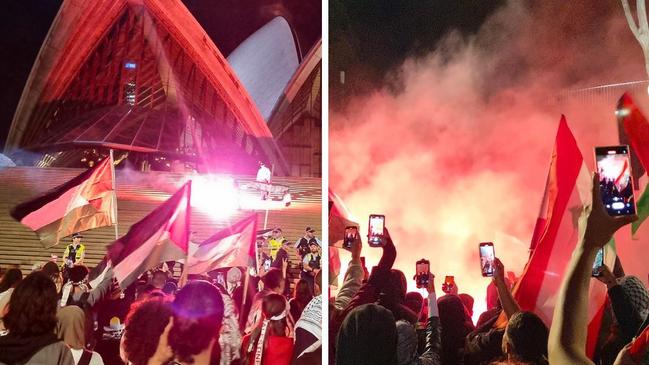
x=560, y=225
x=83, y=203
x=635, y=132
x=163, y=235
x=230, y=247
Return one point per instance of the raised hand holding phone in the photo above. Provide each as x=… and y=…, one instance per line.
x=376, y=235
x=422, y=271
x=606, y=277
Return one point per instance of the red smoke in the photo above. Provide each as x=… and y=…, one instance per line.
x=460, y=154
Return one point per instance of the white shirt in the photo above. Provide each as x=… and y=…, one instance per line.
x=94, y=360
x=263, y=175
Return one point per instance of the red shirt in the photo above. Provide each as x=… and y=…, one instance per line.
x=278, y=351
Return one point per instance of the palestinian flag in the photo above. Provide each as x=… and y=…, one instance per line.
x=163, y=235
x=634, y=130
x=560, y=225
x=83, y=203
x=229, y=247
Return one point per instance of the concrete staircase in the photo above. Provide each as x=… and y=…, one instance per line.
x=137, y=195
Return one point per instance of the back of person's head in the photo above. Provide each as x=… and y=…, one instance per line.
x=275, y=312
x=273, y=279
x=398, y=285
x=407, y=342
x=10, y=279
x=303, y=293
x=414, y=301
x=468, y=301
x=198, y=314
x=455, y=326
x=50, y=269
x=637, y=293
x=32, y=307
x=145, y=322
x=368, y=336
x=78, y=273
x=170, y=288
x=233, y=276
x=526, y=338
x=71, y=327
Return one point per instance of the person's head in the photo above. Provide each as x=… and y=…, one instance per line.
x=414, y=301
x=467, y=300
x=261, y=164
x=368, y=335
x=526, y=338
x=233, y=276
x=455, y=326
x=10, y=279
x=76, y=239
x=198, y=314
x=145, y=322
x=313, y=247
x=397, y=286
x=159, y=279
x=32, y=307
x=170, y=288
x=637, y=294
x=71, y=327
x=310, y=232
x=51, y=270
x=406, y=342
x=78, y=273
x=273, y=280
x=303, y=292
x=274, y=309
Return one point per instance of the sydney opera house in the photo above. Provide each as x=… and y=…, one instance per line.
x=144, y=79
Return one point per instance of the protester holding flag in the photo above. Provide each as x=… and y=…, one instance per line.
x=567, y=342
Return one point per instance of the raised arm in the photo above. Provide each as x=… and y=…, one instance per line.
x=567, y=341
x=510, y=306
x=433, y=348
x=353, y=277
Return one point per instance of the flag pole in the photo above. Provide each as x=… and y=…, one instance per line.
x=112, y=172
x=272, y=168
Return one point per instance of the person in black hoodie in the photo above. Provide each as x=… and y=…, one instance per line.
x=30, y=322
x=368, y=336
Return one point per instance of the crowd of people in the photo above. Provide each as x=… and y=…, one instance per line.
x=57, y=315
x=374, y=320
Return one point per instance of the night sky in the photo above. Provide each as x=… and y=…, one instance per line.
x=368, y=38
x=24, y=24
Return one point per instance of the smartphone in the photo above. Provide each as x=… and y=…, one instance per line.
x=615, y=179
x=422, y=270
x=599, y=262
x=449, y=282
x=487, y=256
x=267, y=263
x=375, y=235
x=351, y=233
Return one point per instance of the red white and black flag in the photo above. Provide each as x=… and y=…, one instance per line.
x=229, y=247
x=163, y=235
x=83, y=203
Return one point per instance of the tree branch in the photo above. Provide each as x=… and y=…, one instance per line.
x=631, y=21
x=642, y=16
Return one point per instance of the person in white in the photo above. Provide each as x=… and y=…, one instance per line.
x=263, y=176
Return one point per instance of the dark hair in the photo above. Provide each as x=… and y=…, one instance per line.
x=272, y=305
x=145, y=322
x=51, y=269
x=170, y=288
x=77, y=273
x=528, y=337
x=456, y=325
x=10, y=279
x=32, y=307
x=273, y=278
x=415, y=302
x=303, y=292
x=198, y=314
x=468, y=301
x=368, y=335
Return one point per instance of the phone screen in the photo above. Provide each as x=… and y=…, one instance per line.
x=267, y=263
x=449, y=282
x=350, y=235
x=615, y=181
x=487, y=256
x=422, y=269
x=377, y=223
x=599, y=261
